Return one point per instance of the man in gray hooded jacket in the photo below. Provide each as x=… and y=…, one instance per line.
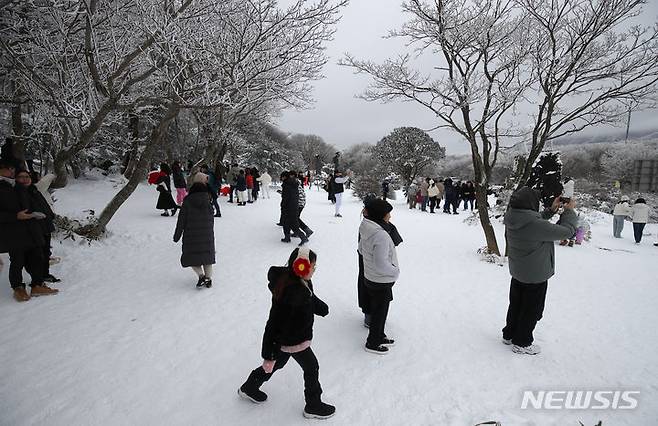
x=531, y=251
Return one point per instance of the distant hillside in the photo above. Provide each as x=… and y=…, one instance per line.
x=637, y=135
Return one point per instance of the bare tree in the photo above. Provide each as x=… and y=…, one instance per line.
x=587, y=71
x=477, y=76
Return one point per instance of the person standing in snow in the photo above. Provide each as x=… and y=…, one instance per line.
x=20, y=237
x=37, y=203
x=179, y=182
x=165, y=200
x=362, y=291
x=621, y=211
x=249, y=178
x=640, y=216
x=452, y=197
x=424, y=186
x=380, y=271
x=289, y=332
x=196, y=226
x=256, y=175
x=301, y=203
x=290, y=208
x=339, y=181
x=213, y=184
x=531, y=251
x=241, y=187
x=433, y=194
x=265, y=180
x=233, y=174
x=385, y=189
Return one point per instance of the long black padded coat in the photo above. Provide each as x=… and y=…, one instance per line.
x=196, y=225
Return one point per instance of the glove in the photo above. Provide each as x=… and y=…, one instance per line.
x=268, y=365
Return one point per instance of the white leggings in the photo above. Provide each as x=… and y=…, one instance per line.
x=339, y=201
x=206, y=271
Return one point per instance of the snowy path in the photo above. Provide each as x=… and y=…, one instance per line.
x=130, y=341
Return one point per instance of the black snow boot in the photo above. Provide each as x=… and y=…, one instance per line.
x=285, y=240
x=207, y=282
x=379, y=350
x=256, y=396
x=201, y=282
x=319, y=410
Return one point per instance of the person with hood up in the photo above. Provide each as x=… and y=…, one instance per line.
x=640, y=216
x=289, y=332
x=380, y=271
x=621, y=211
x=531, y=251
x=196, y=225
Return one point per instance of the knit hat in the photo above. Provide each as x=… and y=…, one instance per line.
x=525, y=198
x=378, y=208
x=302, y=265
x=200, y=178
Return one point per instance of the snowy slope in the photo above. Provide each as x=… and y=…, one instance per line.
x=130, y=341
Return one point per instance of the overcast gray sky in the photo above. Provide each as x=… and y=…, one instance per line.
x=343, y=120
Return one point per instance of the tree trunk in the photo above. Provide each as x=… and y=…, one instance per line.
x=17, y=129
x=483, y=213
x=157, y=135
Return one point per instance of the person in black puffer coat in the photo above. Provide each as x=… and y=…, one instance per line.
x=196, y=225
x=290, y=209
x=46, y=226
x=289, y=331
x=21, y=235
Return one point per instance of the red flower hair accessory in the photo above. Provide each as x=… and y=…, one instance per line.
x=302, y=265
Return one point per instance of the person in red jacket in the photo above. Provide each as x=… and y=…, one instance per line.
x=250, y=185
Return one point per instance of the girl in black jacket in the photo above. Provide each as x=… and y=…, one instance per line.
x=289, y=331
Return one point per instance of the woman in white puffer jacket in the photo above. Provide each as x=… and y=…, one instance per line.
x=640, y=216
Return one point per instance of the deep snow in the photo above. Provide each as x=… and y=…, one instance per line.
x=130, y=341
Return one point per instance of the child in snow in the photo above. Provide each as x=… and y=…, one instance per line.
x=196, y=225
x=289, y=331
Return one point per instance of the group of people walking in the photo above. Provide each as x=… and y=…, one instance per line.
x=427, y=192
x=638, y=213
x=293, y=201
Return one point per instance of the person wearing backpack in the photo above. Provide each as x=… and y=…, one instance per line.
x=640, y=216
x=289, y=332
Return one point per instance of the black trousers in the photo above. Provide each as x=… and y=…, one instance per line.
x=309, y=363
x=32, y=260
x=526, y=306
x=291, y=224
x=362, y=291
x=302, y=225
x=380, y=296
x=230, y=194
x=433, y=204
x=215, y=204
x=637, y=231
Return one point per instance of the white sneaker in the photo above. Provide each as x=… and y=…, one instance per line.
x=506, y=341
x=526, y=350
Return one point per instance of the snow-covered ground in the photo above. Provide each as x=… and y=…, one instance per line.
x=130, y=341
